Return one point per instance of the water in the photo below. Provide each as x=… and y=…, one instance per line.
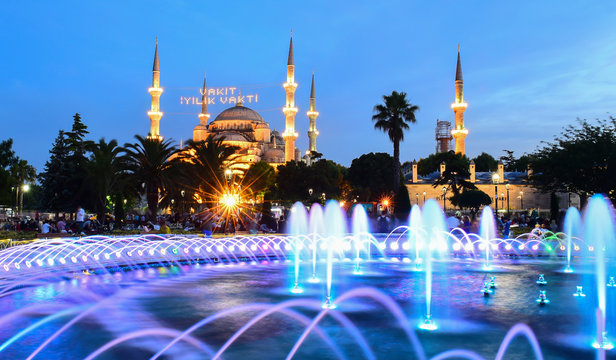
x=177, y=302
x=329, y=289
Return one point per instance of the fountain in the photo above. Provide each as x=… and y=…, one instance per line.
x=360, y=231
x=487, y=231
x=486, y=289
x=542, y=299
x=298, y=225
x=52, y=290
x=541, y=280
x=315, y=226
x=579, y=292
x=573, y=223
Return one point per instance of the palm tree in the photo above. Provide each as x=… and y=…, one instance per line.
x=393, y=118
x=152, y=164
x=204, y=162
x=105, y=171
x=22, y=173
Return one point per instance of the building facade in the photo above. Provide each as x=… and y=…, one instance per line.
x=243, y=127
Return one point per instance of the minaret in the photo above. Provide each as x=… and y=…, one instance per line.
x=200, y=131
x=155, y=91
x=312, y=115
x=459, y=106
x=290, y=135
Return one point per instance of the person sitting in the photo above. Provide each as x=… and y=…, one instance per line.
x=61, y=225
x=164, y=228
x=46, y=228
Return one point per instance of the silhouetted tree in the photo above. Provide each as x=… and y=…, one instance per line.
x=393, y=118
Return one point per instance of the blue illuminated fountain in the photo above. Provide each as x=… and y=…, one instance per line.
x=335, y=268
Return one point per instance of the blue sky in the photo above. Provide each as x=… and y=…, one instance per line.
x=529, y=67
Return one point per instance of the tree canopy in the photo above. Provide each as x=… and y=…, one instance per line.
x=581, y=160
x=369, y=176
x=485, y=162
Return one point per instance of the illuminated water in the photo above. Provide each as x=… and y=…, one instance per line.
x=328, y=290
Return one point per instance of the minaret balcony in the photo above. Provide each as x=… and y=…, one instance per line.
x=459, y=132
x=155, y=114
x=155, y=91
x=290, y=134
x=204, y=117
x=289, y=111
x=460, y=105
x=312, y=113
x=155, y=137
x=290, y=85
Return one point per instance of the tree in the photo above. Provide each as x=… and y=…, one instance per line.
x=295, y=179
x=554, y=207
x=105, y=172
x=402, y=203
x=7, y=158
x=21, y=174
x=432, y=163
x=369, y=176
x=260, y=178
x=455, y=175
x=582, y=160
x=56, y=194
x=485, y=162
x=204, y=163
x=393, y=117
x=76, y=163
x=472, y=199
x=151, y=162
x=512, y=163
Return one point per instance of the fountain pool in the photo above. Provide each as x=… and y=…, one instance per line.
x=416, y=293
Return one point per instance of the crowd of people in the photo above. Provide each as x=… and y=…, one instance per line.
x=208, y=222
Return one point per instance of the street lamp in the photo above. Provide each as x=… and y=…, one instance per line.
x=417, y=198
x=424, y=194
x=508, y=209
x=495, y=179
x=24, y=189
x=310, y=191
x=444, y=198
x=228, y=174
x=522, y=200
x=502, y=200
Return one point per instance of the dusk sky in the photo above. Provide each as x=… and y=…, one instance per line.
x=530, y=68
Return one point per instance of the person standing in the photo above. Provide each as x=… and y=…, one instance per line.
x=79, y=217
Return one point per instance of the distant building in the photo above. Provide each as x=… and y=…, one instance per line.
x=243, y=127
x=508, y=190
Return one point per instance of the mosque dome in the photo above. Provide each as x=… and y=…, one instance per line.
x=233, y=136
x=274, y=155
x=200, y=133
x=239, y=112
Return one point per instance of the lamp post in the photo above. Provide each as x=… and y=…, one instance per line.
x=444, y=198
x=417, y=199
x=502, y=200
x=495, y=179
x=24, y=189
x=182, y=205
x=424, y=201
x=508, y=209
x=522, y=200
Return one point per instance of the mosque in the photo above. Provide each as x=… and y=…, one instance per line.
x=243, y=127
x=509, y=190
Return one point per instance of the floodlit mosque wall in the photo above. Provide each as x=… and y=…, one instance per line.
x=530, y=197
